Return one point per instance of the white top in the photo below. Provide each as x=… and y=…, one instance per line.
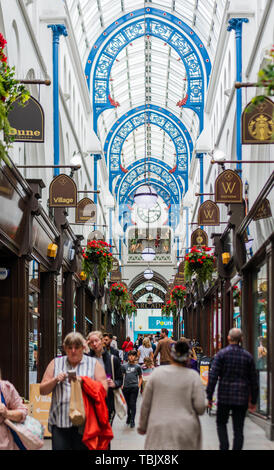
x=144, y=352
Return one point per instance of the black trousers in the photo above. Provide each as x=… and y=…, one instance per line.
x=238, y=417
x=67, y=439
x=131, y=395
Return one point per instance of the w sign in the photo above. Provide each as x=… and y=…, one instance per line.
x=228, y=187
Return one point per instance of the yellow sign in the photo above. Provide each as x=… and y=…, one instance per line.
x=40, y=406
x=204, y=371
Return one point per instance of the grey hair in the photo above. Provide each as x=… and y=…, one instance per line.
x=74, y=338
x=235, y=335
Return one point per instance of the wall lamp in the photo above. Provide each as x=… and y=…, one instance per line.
x=52, y=250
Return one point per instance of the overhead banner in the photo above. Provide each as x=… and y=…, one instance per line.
x=257, y=123
x=209, y=213
x=85, y=211
x=27, y=122
x=228, y=188
x=62, y=192
x=263, y=211
x=199, y=238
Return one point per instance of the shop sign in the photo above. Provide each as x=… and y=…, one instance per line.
x=96, y=235
x=85, y=211
x=199, y=238
x=257, y=123
x=62, y=192
x=27, y=122
x=115, y=274
x=4, y=272
x=209, y=213
x=228, y=187
x=155, y=305
x=40, y=406
x=263, y=211
x=160, y=322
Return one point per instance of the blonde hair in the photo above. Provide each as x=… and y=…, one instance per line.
x=74, y=338
x=146, y=343
x=96, y=333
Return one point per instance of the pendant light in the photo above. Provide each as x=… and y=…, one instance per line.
x=148, y=254
x=149, y=287
x=148, y=274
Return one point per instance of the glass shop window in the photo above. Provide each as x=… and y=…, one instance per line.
x=34, y=319
x=236, y=305
x=260, y=337
x=60, y=319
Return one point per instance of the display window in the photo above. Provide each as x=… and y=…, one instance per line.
x=260, y=337
x=34, y=320
x=60, y=319
x=236, y=305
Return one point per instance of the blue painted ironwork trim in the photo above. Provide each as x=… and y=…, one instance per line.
x=57, y=31
x=236, y=24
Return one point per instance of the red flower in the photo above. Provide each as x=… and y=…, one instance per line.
x=3, y=41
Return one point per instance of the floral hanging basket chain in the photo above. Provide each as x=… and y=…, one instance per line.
x=120, y=300
x=97, y=258
x=200, y=263
x=10, y=90
x=178, y=295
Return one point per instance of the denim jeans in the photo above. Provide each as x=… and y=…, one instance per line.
x=238, y=417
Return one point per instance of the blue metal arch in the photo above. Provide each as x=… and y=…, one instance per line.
x=167, y=32
x=155, y=167
x=128, y=122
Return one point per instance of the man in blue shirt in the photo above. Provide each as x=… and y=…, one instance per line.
x=237, y=388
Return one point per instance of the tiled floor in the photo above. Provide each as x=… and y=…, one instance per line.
x=128, y=439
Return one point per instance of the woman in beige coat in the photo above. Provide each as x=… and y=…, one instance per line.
x=173, y=399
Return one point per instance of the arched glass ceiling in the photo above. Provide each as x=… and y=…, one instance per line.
x=91, y=17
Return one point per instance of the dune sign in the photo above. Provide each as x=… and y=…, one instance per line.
x=27, y=122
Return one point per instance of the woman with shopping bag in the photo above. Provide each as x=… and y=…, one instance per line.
x=63, y=376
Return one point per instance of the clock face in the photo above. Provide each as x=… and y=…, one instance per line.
x=149, y=215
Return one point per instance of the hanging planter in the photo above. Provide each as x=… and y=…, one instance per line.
x=130, y=309
x=236, y=296
x=10, y=90
x=200, y=263
x=119, y=297
x=169, y=309
x=178, y=295
x=97, y=260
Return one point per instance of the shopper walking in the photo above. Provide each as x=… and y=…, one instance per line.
x=173, y=399
x=132, y=383
x=56, y=380
x=107, y=339
x=145, y=350
x=126, y=347
x=100, y=353
x=235, y=369
x=164, y=347
x=113, y=343
x=11, y=407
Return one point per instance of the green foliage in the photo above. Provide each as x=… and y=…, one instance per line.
x=200, y=263
x=265, y=81
x=97, y=258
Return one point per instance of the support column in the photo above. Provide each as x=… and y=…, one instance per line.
x=236, y=24
x=48, y=321
x=57, y=31
x=97, y=157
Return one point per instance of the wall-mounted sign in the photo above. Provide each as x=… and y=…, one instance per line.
x=199, y=238
x=209, y=213
x=85, y=211
x=228, y=187
x=154, y=305
x=263, y=211
x=96, y=235
x=160, y=322
x=4, y=272
x=115, y=274
x=62, y=192
x=27, y=122
x=257, y=123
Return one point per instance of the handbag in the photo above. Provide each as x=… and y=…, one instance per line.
x=120, y=404
x=76, y=406
x=28, y=435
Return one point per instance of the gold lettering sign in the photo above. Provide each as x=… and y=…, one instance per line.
x=209, y=213
x=85, y=211
x=263, y=211
x=62, y=192
x=257, y=123
x=27, y=122
x=115, y=274
x=228, y=187
x=199, y=238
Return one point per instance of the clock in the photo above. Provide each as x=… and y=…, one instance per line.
x=149, y=215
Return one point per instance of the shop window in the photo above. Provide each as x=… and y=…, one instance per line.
x=74, y=309
x=34, y=317
x=60, y=319
x=236, y=305
x=260, y=338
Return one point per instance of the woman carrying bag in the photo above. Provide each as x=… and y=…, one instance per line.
x=126, y=347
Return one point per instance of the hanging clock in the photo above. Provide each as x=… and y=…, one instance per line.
x=150, y=215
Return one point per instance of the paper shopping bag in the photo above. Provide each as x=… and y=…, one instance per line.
x=76, y=407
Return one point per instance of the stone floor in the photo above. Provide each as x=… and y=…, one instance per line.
x=126, y=438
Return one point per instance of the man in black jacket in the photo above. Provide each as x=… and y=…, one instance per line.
x=107, y=338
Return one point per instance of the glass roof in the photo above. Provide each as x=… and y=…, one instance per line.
x=148, y=70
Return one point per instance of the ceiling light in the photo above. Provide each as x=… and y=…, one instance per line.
x=148, y=274
x=145, y=197
x=149, y=287
x=148, y=254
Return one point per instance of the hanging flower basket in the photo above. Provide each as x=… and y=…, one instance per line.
x=10, y=90
x=236, y=296
x=169, y=309
x=178, y=295
x=130, y=309
x=200, y=263
x=119, y=297
x=97, y=258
